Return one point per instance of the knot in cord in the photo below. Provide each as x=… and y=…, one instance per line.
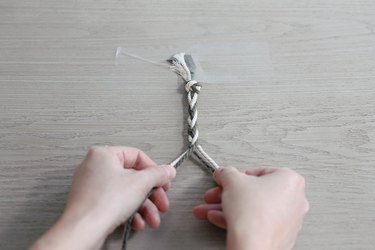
x=193, y=86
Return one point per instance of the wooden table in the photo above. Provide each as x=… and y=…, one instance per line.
x=286, y=83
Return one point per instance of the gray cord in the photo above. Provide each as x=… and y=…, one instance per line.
x=184, y=66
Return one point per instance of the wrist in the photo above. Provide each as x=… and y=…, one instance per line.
x=74, y=232
x=248, y=236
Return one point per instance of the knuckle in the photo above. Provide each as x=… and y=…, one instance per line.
x=227, y=173
x=135, y=149
x=139, y=152
x=287, y=171
x=94, y=150
x=294, y=176
x=229, y=169
x=97, y=153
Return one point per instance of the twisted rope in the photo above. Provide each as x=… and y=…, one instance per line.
x=184, y=66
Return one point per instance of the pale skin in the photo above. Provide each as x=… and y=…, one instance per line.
x=261, y=209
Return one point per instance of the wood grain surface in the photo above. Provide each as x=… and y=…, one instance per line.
x=289, y=84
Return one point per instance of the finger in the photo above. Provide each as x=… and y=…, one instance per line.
x=160, y=199
x=213, y=195
x=138, y=223
x=132, y=157
x=226, y=175
x=97, y=153
x=260, y=171
x=150, y=214
x=167, y=186
x=156, y=176
x=200, y=211
x=217, y=218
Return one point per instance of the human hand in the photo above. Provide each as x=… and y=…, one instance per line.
x=108, y=186
x=261, y=208
x=115, y=180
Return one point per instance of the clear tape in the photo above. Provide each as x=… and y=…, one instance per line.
x=216, y=63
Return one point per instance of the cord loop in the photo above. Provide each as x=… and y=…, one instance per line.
x=193, y=86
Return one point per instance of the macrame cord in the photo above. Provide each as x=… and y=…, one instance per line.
x=184, y=66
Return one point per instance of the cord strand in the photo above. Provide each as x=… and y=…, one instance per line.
x=184, y=66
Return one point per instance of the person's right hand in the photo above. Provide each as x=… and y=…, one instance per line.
x=261, y=208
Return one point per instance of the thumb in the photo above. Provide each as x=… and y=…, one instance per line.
x=158, y=176
x=226, y=175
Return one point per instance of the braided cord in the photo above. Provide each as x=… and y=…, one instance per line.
x=192, y=87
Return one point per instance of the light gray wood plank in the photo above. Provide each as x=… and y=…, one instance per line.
x=290, y=85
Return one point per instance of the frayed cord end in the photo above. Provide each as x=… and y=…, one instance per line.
x=183, y=65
